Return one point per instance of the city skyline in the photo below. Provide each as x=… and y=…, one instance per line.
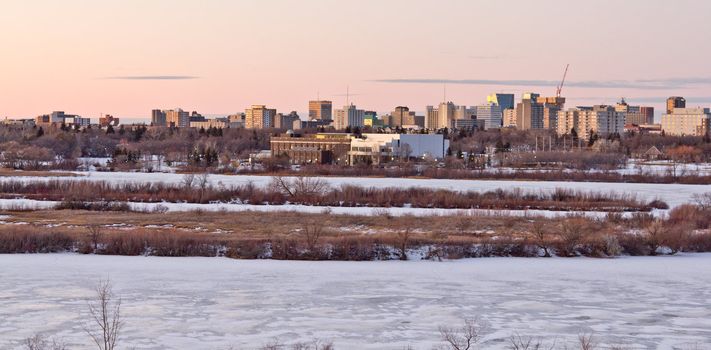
x=110, y=58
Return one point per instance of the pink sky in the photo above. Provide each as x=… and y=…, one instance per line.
x=76, y=56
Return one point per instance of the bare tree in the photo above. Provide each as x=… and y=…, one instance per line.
x=203, y=183
x=95, y=234
x=464, y=338
x=300, y=187
x=105, y=312
x=539, y=233
x=40, y=342
x=187, y=180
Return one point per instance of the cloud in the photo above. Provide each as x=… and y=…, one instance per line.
x=641, y=84
x=153, y=77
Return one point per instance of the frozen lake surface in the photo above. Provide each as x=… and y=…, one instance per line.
x=214, y=303
x=673, y=194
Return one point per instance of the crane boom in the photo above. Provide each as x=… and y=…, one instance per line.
x=559, y=88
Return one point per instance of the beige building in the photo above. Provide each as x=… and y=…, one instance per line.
x=259, y=117
x=686, y=121
x=601, y=120
x=443, y=116
x=177, y=118
x=509, y=117
x=401, y=116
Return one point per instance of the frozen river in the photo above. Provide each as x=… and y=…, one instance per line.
x=215, y=303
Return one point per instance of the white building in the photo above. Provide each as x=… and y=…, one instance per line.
x=377, y=148
x=686, y=121
x=348, y=116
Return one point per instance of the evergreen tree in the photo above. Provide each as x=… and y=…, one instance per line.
x=40, y=132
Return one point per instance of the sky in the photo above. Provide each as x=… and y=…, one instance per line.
x=127, y=57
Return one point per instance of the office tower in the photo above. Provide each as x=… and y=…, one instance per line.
x=686, y=122
x=529, y=113
x=320, y=110
x=348, y=116
x=489, y=116
x=445, y=115
x=675, y=102
x=504, y=100
x=259, y=117
x=177, y=118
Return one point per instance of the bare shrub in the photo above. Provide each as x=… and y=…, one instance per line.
x=586, y=342
x=312, y=232
x=95, y=234
x=571, y=235
x=541, y=238
x=465, y=337
x=518, y=342
x=40, y=342
x=105, y=312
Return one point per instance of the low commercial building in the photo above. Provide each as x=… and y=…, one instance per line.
x=312, y=149
x=217, y=123
x=348, y=149
x=686, y=122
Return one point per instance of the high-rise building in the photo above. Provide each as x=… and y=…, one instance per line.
x=286, y=121
x=686, y=121
x=444, y=115
x=177, y=118
x=509, y=117
x=348, y=116
x=489, y=116
x=675, y=102
x=320, y=110
x=401, y=116
x=529, y=113
x=601, y=120
x=636, y=115
x=259, y=117
x=158, y=118
x=504, y=100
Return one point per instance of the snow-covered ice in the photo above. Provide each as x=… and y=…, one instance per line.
x=673, y=194
x=214, y=303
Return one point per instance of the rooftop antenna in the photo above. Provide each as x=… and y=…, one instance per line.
x=348, y=96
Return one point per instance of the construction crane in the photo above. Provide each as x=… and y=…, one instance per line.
x=559, y=88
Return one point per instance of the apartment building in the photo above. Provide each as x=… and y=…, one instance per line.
x=259, y=117
x=686, y=122
x=600, y=119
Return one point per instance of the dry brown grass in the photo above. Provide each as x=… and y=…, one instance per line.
x=325, y=236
